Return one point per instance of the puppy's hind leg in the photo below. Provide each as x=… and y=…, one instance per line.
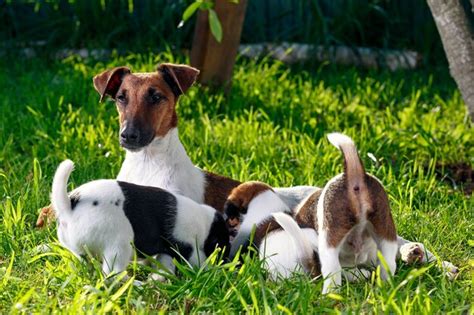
x=330, y=266
x=116, y=259
x=389, y=251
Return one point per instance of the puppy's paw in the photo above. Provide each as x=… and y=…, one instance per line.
x=412, y=253
x=450, y=270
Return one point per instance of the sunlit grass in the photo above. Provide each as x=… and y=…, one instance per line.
x=271, y=127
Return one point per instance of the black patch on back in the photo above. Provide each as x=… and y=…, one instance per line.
x=152, y=214
x=74, y=197
x=95, y=203
x=218, y=236
x=170, y=81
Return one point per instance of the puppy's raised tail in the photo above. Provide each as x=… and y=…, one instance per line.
x=59, y=196
x=353, y=168
x=302, y=242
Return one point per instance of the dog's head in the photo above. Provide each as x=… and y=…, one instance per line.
x=145, y=101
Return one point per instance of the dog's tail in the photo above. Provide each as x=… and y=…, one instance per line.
x=303, y=244
x=353, y=167
x=59, y=196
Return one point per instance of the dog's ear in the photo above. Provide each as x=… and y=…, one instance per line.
x=179, y=77
x=109, y=81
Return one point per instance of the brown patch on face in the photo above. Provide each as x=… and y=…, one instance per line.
x=381, y=216
x=306, y=215
x=217, y=189
x=145, y=101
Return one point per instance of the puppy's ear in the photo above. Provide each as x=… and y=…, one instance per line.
x=233, y=208
x=179, y=77
x=109, y=81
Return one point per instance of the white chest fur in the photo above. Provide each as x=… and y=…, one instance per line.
x=165, y=164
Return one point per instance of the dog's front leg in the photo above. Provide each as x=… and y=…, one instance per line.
x=330, y=266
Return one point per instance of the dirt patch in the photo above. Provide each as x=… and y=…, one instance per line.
x=459, y=175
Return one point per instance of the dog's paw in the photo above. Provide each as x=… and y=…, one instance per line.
x=450, y=270
x=412, y=253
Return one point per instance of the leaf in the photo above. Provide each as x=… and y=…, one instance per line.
x=216, y=28
x=190, y=10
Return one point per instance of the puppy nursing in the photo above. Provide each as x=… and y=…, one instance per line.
x=354, y=219
x=250, y=203
x=342, y=225
x=109, y=217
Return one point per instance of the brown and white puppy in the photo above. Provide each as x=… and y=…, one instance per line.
x=354, y=219
x=250, y=203
x=284, y=247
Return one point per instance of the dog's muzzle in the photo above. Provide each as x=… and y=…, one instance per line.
x=134, y=139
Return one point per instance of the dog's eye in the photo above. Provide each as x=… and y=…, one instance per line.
x=156, y=98
x=121, y=98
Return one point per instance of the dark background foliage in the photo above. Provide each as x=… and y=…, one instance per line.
x=141, y=25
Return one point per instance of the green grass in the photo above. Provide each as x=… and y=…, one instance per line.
x=272, y=128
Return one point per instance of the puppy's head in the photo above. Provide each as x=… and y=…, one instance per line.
x=238, y=202
x=145, y=101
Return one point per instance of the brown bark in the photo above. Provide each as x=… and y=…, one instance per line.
x=456, y=36
x=216, y=60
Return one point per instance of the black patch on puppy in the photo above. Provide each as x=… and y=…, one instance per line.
x=95, y=203
x=152, y=214
x=117, y=203
x=232, y=211
x=218, y=237
x=75, y=197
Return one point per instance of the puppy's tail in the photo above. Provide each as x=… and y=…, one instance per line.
x=59, y=196
x=302, y=242
x=353, y=167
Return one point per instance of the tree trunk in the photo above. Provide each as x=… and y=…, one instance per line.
x=216, y=60
x=456, y=36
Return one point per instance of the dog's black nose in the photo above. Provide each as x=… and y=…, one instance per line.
x=129, y=135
